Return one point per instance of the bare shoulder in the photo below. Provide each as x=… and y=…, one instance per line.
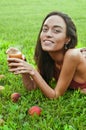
x=73, y=55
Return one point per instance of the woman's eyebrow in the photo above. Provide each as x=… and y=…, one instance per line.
x=55, y=26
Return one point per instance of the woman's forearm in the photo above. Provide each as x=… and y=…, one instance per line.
x=28, y=82
x=44, y=87
x=31, y=82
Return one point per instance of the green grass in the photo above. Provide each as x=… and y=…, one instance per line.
x=20, y=21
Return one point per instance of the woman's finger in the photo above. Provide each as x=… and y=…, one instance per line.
x=24, y=71
x=14, y=60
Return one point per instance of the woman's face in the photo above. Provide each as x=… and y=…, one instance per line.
x=53, y=35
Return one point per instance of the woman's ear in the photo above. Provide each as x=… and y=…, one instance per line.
x=66, y=44
x=68, y=40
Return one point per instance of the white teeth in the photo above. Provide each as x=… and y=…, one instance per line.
x=48, y=42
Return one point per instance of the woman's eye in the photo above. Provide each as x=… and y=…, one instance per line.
x=44, y=29
x=56, y=31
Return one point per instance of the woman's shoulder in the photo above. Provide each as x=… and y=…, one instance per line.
x=73, y=54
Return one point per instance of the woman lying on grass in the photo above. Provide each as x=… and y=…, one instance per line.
x=56, y=57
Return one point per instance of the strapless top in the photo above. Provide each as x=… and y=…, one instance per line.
x=73, y=84
x=76, y=85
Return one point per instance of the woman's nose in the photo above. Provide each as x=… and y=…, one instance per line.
x=49, y=33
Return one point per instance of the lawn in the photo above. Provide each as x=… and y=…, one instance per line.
x=20, y=21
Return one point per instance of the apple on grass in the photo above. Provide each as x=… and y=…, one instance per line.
x=15, y=96
x=35, y=110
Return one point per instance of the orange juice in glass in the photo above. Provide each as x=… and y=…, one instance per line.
x=14, y=53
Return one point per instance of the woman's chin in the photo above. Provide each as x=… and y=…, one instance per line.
x=47, y=48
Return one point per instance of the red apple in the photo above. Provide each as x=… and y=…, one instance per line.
x=35, y=110
x=15, y=97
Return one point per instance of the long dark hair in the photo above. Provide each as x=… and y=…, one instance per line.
x=43, y=60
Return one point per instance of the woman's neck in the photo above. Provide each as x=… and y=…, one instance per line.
x=57, y=56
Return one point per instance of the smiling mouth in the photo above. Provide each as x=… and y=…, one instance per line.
x=48, y=42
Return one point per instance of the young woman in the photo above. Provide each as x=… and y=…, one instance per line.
x=56, y=57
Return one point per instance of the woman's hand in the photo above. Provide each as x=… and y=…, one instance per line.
x=19, y=66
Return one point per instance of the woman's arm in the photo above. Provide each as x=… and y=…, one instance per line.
x=70, y=64
x=71, y=61
x=28, y=82
x=66, y=75
x=31, y=77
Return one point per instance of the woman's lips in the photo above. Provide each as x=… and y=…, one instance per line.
x=47, y=42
